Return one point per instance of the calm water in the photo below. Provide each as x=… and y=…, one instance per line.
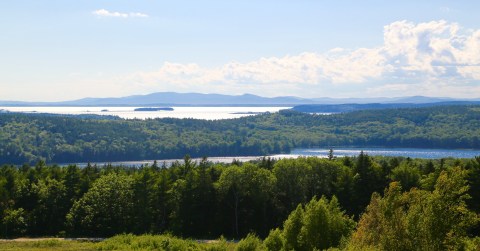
x=395, y=152
x=210, y=113
x=323, y=153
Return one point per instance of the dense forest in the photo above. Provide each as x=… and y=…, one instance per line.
x=28, y=138
x=369, y=203
x=336, y=108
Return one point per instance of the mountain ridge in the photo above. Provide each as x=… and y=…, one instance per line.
x=202, y=99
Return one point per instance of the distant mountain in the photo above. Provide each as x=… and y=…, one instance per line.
x=199, y=99
x=173, y=98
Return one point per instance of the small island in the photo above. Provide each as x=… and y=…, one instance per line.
x=153, y=109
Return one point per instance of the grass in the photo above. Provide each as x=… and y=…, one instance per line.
x=46, y=245
x=120, y=242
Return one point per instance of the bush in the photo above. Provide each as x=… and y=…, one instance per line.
x=250, y=243
x=147, y=242
x=320, y=225
x=274, y=241
x=220, y=245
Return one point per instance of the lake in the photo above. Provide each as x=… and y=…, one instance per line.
x=394, y=152
x=208, y=113
x=323, y=153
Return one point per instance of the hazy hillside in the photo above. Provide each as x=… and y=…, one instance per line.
x=27, y=138
x=200, y=99
x=335, y=108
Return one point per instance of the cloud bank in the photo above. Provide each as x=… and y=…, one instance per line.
x=106, y=13
x=432, y=58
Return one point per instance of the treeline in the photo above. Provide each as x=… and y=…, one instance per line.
x=208, y=200
x=56, y=139
x=335, y=108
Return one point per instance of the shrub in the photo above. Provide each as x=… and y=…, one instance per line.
x=250, y=243
x=274, y=241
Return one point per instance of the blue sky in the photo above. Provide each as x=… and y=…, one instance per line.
x=62, y=50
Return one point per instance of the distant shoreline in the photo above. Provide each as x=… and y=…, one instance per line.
x=144, y=105
x=152, y=109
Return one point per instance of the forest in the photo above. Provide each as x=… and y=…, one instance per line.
x=29, y=138
x=348, y=203
x=307, y=203
x=342, y=108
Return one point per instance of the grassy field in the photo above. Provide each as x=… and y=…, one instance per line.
x=46, y=245
x=120, y=242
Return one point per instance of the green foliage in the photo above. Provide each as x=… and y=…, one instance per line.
x=46, y=245
x=52, y=201
x=426, y=207
x=317, y=226
x=408, y=176
x=418, y=219
x=219, y=245
x=368, y=178
x=27, y=138
x=250, y=243
x=205, y=200
x=292, y=228
x=337, y=224
x=471, y=244
x=292, y=184
x=106, y=209
x=274, y=241
x=298, y=180
x=324, y=224
x=247, y=190
x=14, y=222
x=147, y=242
x=473, y=178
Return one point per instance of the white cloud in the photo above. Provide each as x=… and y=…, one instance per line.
x=413, y=58
x=433, y=49
x=106, y=13
x=306, y=68
x=137, y=14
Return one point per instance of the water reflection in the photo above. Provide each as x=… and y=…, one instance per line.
x=321, y=152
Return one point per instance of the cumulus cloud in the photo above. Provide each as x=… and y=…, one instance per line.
x=432, y=49
x=306, y=68
x=424, y=56
x=106, y=13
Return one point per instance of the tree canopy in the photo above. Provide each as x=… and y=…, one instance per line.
x=27, y=138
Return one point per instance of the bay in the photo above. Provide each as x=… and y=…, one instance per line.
x=207, y=113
